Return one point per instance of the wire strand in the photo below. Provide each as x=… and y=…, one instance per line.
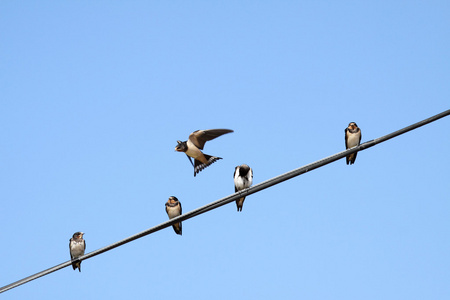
x=223, y=201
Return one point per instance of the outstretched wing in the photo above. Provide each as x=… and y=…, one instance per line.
x=200, y=137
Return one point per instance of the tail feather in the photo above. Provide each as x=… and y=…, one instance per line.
x=178, y=228
x=351, y=158
x=240, y=203
x=76, y=264
x=199, y=166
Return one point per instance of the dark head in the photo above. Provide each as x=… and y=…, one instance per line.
x=352, y=126
x=243, y=170
x=173, y=200
x=181, y=147
x=78, y=235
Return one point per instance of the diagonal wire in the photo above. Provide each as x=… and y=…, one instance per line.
x=218, y=203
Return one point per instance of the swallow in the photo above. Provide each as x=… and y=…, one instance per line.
x=193, y=146
x=77, y=245
x=243, y=178
x=173, y=209
x=352, y=139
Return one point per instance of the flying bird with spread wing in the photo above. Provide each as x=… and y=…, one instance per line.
x=193, y=146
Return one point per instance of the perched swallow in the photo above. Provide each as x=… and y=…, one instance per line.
x=77, y=245
x=173, y=209
x=243, y=178
x=352, y=139
x=195, y=143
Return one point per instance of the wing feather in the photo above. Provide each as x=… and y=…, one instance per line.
x=200, y=137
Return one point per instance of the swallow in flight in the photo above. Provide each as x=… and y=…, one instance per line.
x=193, y=146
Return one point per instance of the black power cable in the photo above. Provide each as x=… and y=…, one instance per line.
x=251, y=190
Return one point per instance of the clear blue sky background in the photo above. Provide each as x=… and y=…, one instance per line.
x=94, y=96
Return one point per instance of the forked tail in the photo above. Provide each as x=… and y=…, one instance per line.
x=199, y=166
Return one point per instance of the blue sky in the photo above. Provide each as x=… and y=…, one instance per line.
x=96, y=94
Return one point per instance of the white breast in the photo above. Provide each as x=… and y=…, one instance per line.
x=243, y=182
x=173, y=212
x=193, y=151
x=77, y=249
x=353, y=139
